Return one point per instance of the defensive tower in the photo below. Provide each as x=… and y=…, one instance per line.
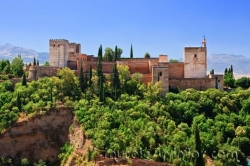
x=58, y=52
x=195, y=61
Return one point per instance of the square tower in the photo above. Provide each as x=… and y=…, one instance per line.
x=58, y=53
x=195, y=62
x=73, y=50
x=160, y=73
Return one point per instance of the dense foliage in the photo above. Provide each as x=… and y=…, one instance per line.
x=120, y=114
x=161, y=125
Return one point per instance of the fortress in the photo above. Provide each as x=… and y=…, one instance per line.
x=191, y=73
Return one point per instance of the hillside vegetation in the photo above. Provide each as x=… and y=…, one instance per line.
x=120, y=114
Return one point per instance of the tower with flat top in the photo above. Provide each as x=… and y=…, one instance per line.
x=195, y=61
x=58, y=52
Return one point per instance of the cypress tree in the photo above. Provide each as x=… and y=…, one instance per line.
x=18, y=102
x=81, y=79
x=86, y=80
x=101, y=89
x=231, y=69
x=24, y=82
x=37, y=63
x=100, y=53
x=90, y=76
x=199, y=161
x=99, y=65
x=51, y=96
x=115, y=81
x=34, y=62
x=115, y=54
x=225, y=72
x=131, y=52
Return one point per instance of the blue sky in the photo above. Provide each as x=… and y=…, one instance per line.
x=154, y=26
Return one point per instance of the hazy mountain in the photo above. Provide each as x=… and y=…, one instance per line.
x=9, y=51
x=218, y=62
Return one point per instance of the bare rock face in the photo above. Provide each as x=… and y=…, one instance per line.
x=39, y=138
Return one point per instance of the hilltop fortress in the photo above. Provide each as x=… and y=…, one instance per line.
x=192, y=73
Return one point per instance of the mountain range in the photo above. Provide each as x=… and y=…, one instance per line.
x=218, y=62
x=9, y=52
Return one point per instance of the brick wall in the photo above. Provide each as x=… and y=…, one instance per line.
x=176, y=70
x=195, y=83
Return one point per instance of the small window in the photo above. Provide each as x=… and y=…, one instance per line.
x=160, y=73
x=195, y=55
x=218, y=80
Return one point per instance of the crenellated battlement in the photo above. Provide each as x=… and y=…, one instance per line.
x=72, y=44
x=58, y=41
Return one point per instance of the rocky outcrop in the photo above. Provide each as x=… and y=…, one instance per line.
x=39, y=138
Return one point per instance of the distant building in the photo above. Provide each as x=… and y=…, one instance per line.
x=192, y=73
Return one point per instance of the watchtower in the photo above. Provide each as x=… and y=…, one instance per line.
x=195, y=61
x=58, y=52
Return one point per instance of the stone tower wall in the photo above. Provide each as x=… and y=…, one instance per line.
x=58, y=52
x=162, y=71
x=195, y=62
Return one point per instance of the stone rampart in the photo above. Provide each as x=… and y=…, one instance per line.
x=176, y=70
x=36, y=72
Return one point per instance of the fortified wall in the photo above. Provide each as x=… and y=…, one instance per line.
x=192, y=73
x=36, y=72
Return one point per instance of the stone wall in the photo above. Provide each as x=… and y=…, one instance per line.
x=195, y=83
x=146, y=78
x=72, y=65
x=58, y=52
x=176, y=70
x=36, y=72
x=195, y=62
x=161, y=73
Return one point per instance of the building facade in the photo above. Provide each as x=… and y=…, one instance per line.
x=191, y=73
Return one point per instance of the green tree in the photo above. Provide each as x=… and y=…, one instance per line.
x=173, y=61
x=69, y=83
x=147, y=55
x=90, y=76
x=81, y=79
x=137, y=76
x=131, y=51
x=37, y=62
x=24, y=81
x=119, y=53
x=51, y=93
x=243, y=82
x=116, y=54
x=229, y=79
x=124, y=74
x=46, y=64
x=18, y=102
x=99, y=65
x=212, y=71
x=109, y=54
x=101, y=89
x=17, y=66
x=199, y=161
x=34, y=62
x=100, y=53
x=25, y=162
x=115, y=82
